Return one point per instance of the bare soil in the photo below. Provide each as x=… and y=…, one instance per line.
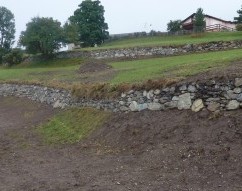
x=172, y=150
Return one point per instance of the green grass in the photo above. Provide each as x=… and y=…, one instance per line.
x=72, y=125
x=170, y=40
x=173, y=67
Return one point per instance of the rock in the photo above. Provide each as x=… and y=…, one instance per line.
x=144, y=93
x=213, y=106
x=121, y=103
x=231, y=95
x=58, y=104
x=197, y=105
x=171, y=105
x=191, y=88
x=175, y=98
x=157, y=92
x=183, y=87
x=184, y=101
x=239, y=98
x=237, y=90
x=134, y=106
x=124, y=108
x=164, y=99
x=232, y=105
x=238, y=82
x=154, y=106
x=123, y=95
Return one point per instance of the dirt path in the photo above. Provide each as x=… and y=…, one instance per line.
x=174, y=150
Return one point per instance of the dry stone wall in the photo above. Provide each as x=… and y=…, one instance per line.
x=153, y=51
x=211, y=95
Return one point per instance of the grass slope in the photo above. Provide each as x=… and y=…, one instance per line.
x=72, y=125
x=172, y=67
x=170, y=40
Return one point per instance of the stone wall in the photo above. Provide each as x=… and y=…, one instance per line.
x=153, y=51
x=212, y=95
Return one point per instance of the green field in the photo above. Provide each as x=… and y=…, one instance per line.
x=170, y=40
x=125, y=72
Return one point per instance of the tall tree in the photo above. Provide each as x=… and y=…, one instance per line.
x=199, y=22
x=174, y=26
x=42, y=35
x=89, y=18
x=7, y=31
x=239, y=18
x=70, y=33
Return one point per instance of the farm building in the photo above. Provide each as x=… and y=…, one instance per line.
x=212, y=23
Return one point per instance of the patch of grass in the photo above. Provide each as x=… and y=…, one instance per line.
x=172, y=67
x=170, y=40
x=72, y=125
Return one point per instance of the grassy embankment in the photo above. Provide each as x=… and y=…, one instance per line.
x=150, y=41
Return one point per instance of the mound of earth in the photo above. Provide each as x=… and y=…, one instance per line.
x=93, y=66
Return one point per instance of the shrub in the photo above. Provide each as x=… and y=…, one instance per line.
x=239, y=27
x=13, y=58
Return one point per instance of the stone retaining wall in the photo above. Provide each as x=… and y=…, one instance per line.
x=153, y=51
x=211, y=95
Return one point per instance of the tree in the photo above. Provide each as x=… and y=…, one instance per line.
x=174, y=26
x=7, y=31
x=239, y=18
x=14, y=57
x=199, y=22
x=89, y=18
x=42, y=35
x=70, y=33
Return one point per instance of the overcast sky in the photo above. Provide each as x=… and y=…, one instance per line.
x=123, y=16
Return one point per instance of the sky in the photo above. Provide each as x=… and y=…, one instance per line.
x=123, y=16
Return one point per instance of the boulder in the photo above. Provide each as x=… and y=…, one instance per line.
x=197, y=105
x=134, y=106
x=232, y=105
x=184, y=101
x=214, y=106
x=154, y=106
x=238, y=82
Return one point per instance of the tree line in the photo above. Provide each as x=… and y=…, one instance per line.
x=86, y=27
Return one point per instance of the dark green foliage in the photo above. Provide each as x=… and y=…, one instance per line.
x=7, y=31
x=239, y=27
x=199, y=22
x=70, y=33
x=239, y=18
x=91, y=23
x=174, y=26
x=43, y=35
x=14, y=57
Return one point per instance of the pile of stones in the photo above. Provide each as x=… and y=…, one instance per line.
x=211, y=95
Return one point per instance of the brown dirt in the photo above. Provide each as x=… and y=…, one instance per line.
x=172, y=150
x=93, y=66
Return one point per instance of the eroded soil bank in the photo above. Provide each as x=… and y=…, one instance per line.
x=162, y=150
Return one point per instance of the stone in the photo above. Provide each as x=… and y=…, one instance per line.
x=237, y=90
x=157, y=92
x=123, y=95
x=121, y=103
x=164, y=99
x=183, y=87
x=231, y=95
x=144, y=93
x=175, y=98
x=238, y=82
x=191, y=88
x=171, y=105
x=58, y=104
x=184, y=101
x=124, y=108
x=197, y=105
x=232, y=105
x=134, y=106
x=213, y=106
x=142, y=107
x=239, y=98
x=154, y=106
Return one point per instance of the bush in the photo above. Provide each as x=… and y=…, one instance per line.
x=13, y=58
x=239, y=27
